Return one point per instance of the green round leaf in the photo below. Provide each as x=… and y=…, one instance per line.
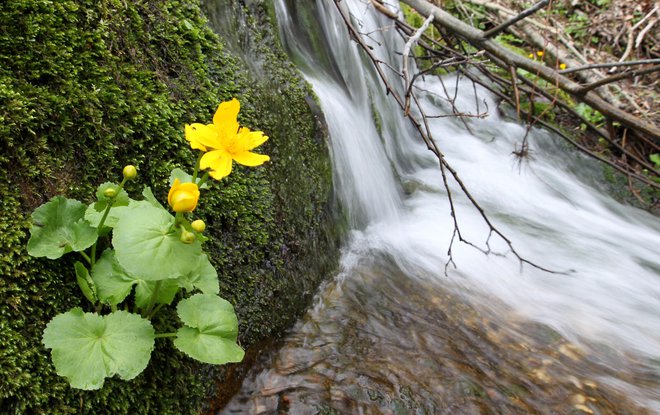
x=210, y=331
x=113, y=284
x=87, y=348
x=204, y=277
x=206, y=347
x=58, y=227
x=149, y=197
x=145, y=244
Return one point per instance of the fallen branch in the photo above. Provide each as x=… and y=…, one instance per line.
x=443, y=51
x=476, y=38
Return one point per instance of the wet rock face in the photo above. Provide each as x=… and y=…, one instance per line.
x=89, y=86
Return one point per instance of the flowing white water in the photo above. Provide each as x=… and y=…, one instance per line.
x=551, y=208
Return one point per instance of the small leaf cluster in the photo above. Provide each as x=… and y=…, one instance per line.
x=149, y=262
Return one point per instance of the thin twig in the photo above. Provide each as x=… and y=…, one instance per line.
x=609, y=65
x=514, y=84
x=618, y=77
x=426, y=136
x=406, y=54
x=496, y=30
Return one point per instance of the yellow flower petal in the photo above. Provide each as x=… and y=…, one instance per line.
x=183, y=202
x=218, y=161
x=248, y=158
x=201, y=137
x=226, y=115
x=183, y=197
x=251, y=139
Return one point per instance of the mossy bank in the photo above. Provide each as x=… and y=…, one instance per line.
x=89, y=86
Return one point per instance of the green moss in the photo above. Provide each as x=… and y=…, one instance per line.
x=87, y=86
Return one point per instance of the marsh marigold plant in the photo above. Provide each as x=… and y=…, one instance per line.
x=152, y=259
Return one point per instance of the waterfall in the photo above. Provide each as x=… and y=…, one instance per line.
x=552, y=208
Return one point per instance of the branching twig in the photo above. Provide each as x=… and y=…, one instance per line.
x=499, y=29
x=618, y=77
x=425, y=132
x=432, y=46
x=406, y=54
x=475, y=37
x=609, y=65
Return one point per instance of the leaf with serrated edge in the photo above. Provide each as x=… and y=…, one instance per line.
x=87, y=348
x=210, y=330
x=145, y=245
x=58, y=227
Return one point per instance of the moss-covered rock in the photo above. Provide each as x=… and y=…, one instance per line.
x=87, y=86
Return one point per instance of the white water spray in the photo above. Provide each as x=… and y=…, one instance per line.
x=550, y=208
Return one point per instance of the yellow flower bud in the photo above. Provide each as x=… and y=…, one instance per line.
x=539, y=53
x=130, y=172
x=198, y=225
x=187, y=237
x=562, y=66
x=183, y=197
x=110, y=193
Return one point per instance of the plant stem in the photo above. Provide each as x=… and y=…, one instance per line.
x=156, y=310
x=102, y=222
x=154, y=296
x=87, y=258
x=162, y=335
x=199, y=160
x=203, y=180
x=113, y=307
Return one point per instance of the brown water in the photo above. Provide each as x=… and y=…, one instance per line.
x=379, y=342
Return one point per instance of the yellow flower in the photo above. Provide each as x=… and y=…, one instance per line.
x=539, y=53
x=224, y=141
x=530, y=56
x=562, y=66
x=183, y=197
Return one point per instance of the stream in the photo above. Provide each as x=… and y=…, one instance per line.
x=400, y=330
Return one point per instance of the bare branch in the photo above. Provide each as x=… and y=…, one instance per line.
x=496, y=30
x=608, y=65
x=406, y=54
x=425, y=132
x=475, y=37
x=618, y=77
x=433, y=46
